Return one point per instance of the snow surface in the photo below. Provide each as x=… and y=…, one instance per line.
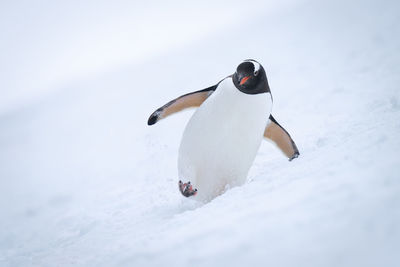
x=85, y=182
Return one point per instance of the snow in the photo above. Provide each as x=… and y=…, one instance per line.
x=85, y=182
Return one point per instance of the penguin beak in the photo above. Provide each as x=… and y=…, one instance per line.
x=244, y=80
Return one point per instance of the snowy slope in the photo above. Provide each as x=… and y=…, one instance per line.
x=85, y=182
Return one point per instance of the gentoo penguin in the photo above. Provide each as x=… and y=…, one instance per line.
x=222, y=137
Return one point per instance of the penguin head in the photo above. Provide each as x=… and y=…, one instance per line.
x=250, y=78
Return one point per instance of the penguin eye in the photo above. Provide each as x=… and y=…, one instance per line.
x=256, y=73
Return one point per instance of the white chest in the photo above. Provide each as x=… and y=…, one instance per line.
x=222, y=138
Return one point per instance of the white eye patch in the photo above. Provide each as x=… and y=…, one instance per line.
x=256, y=65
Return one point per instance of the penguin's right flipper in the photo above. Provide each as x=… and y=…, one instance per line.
x=277, y=134
x=194, y=99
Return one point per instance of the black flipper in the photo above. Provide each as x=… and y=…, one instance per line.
x=194, y=99
x=277, y=134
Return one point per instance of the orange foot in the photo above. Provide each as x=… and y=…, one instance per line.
x=186, y=189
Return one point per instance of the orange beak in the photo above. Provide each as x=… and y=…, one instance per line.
x=244, y=80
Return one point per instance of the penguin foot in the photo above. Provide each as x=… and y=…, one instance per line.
x=186, y=189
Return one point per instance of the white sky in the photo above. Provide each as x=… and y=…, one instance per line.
x=44, y=44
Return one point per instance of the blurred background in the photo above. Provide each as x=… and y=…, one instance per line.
x=85, y=182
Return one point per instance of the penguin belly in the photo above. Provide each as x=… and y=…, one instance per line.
x=221, y=140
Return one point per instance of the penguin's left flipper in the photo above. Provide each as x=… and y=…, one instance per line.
x=277, y=134
x=194, y=99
